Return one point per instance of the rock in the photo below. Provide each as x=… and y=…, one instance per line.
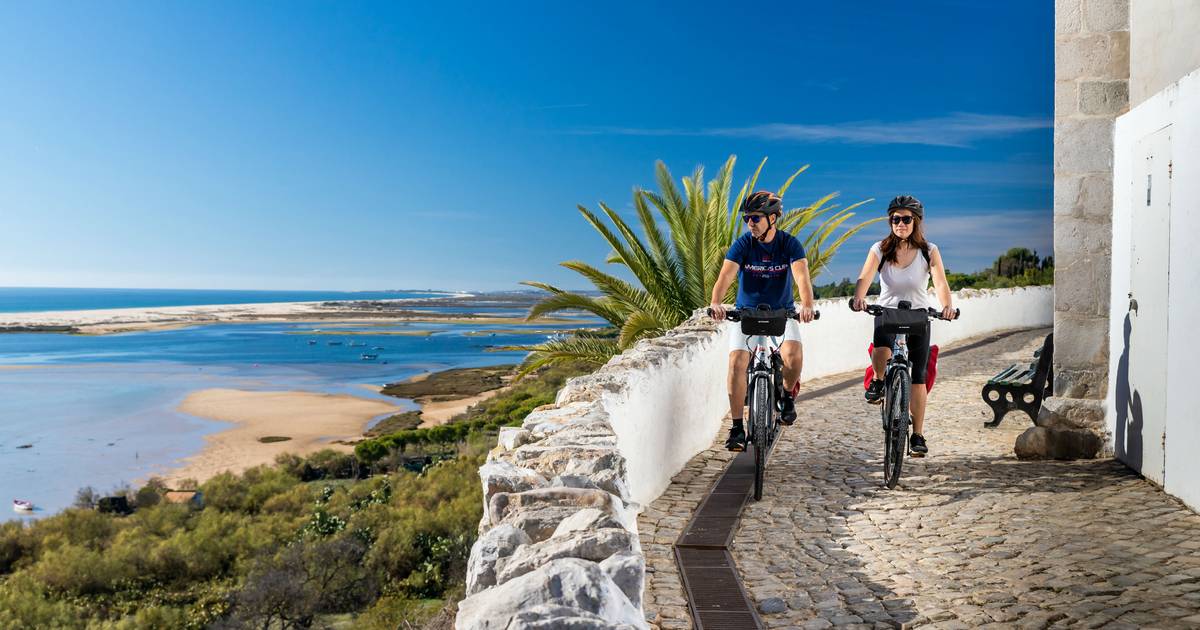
x=512, y=437
x=547, y=421
x=628, y=572
x=587, y=519
x=565, y=593
x=607, y=480
x=496, y=543
x=552, y=460
x=1046, y=443
x=539, y=512
x=595, y=545
x=503, y=477
x=772, y=605
x=1033, y=443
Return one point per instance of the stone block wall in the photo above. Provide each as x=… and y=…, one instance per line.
x=1091, y=88
x=559, y=545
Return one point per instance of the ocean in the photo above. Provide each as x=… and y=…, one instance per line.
x=36, y=299
x=100, y=411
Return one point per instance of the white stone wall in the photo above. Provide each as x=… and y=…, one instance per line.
x=558, y=542
x=1176, y=438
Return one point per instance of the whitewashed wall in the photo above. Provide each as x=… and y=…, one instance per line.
x=1178, y=106
x=558, y=537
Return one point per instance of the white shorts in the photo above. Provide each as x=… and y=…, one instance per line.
x=737, y=341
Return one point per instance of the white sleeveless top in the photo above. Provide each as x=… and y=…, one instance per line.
x=909, y=283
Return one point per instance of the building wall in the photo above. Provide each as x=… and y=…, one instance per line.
x=1163, y=45
x=1091, y=88
x=1164, y=449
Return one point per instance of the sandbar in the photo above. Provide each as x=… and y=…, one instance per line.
x=313, y=421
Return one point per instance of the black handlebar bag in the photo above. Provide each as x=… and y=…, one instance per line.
x=767, y=322
x=903, y=322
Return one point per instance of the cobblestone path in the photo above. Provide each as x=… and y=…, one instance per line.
x=971, y=538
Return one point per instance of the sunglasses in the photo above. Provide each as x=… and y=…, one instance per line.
x=752, y=218
x=898, y=220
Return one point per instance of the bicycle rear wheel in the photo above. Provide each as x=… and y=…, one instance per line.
x=760, y=410
x=896, y=435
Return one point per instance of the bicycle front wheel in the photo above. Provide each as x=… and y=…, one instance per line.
x=760, y=410
x=896, y=435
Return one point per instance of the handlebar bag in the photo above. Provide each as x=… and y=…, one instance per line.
x=898, y=321
x=768, y=322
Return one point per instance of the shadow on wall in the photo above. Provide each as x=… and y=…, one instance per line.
x=1128, y=438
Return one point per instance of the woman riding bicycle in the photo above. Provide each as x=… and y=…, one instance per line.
x=905, y=261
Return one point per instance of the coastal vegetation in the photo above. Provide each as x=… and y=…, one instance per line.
x=374, y=539
x=1018, y=267
x=685, y=234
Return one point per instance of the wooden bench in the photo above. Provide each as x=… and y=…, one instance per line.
x=1020, y=386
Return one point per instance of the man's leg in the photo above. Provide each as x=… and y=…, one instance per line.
x=739, y=360
x=793, y=361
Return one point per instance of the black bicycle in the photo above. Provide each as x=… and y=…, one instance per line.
x=897, y=381
x=764, y=379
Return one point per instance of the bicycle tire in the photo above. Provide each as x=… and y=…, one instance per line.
x=897, y=435
x=760, y=408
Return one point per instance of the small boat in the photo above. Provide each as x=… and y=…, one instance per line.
x=20, y=505
x=312, y=342
x=367, y=356
x=357, y=344
x=377, y=348
x=335, y=343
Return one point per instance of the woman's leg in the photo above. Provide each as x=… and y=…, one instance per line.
x=918, y=346
x=916, y=406
x=879, y=359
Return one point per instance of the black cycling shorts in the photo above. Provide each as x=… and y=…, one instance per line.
x=918, y=351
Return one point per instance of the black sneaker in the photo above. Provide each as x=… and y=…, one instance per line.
x=916, y=444
x=874, y=394
x=737, y=439
x=787, y=410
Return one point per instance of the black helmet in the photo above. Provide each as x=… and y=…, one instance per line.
x=763, y=201
x=907, y=202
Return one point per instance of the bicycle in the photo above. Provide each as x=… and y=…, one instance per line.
x=764, y=379
x=898, y=381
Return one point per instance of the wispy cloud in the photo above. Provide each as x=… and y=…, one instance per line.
x=562, y=106
x=955, y=130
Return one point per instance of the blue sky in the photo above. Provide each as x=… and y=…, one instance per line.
x=299, y=145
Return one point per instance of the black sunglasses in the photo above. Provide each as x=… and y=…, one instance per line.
x=899, y=220
x=752, y=218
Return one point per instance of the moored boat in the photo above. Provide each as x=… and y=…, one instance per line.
x=20, y=505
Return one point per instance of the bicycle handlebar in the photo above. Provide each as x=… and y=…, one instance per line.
x=875, y=309
x=735, y=314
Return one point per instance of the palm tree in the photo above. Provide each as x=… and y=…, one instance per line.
x=674, y=264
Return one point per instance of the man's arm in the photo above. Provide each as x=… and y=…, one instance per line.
x=729, y=271
x=804, y=286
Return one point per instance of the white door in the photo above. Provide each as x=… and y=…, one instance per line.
x=1145, y=415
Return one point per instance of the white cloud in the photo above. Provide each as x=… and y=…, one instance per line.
x=955, y=130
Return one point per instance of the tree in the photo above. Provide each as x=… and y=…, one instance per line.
x=685, y=235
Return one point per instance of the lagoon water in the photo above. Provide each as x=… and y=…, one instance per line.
x=35, y=299
x=101, y=410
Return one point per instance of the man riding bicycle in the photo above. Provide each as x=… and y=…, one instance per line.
x=764, y=260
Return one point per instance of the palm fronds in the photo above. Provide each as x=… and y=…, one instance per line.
x=685, y=231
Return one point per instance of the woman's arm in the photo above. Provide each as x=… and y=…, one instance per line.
x=865, y=277
x=938, y=271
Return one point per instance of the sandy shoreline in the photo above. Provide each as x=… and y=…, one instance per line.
x=115, y=320
x=313, y=421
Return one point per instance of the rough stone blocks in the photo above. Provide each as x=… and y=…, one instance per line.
x=1083, y=146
